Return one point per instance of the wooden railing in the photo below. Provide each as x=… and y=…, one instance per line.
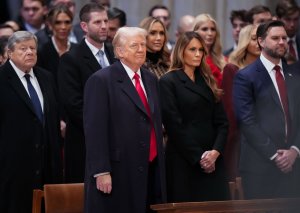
x=291, y=205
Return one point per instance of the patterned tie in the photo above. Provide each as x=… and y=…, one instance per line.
x=292, y=51
x=283, y=97
x=139, y=89
x=101, y=59
x=34, y=98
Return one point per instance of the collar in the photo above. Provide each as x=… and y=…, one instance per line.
x=19, y=72
x=268, y=64
x=55, y=45
x=94, y=49
x=292, y=38
x=130, y=72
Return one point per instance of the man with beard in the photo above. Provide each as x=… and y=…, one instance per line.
x=75, y=67
x=267, y=109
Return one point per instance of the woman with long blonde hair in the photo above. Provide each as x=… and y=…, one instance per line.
x=207, y=28
x=246, y=52
x=195, y=123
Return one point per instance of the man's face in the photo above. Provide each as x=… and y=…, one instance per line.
x=261, y=18
x=163, y=15
x=133, y=53
x=97, y=27
x=291, y=23
x=275, y=44
x=237, y=25
x=33, y=12
x=113, y=26
x=24, y=55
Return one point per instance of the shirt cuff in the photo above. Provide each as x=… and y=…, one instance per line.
x=274, y=156
x=100, y=174
x=297, y=149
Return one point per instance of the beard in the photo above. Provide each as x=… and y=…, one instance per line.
x=275, y=53
x=97, y=38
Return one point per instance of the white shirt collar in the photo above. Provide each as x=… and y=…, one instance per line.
x=94, y=49
x=19, y=72
x=268, y=64
x=130, y=72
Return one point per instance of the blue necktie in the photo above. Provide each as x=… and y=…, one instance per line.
x=101, y=59
x=34, y=98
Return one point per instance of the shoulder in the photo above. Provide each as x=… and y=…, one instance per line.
x=230, y=68
x=171, y=76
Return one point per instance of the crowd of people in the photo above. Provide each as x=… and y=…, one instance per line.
x=142, y=119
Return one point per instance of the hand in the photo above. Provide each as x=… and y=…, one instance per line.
x=104, y=183
x=62, y=128
x=208, y=160
x=286, y=159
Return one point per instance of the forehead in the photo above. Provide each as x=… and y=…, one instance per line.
x=29, y=42
x=27, y=3
x=97, y=15
x=156, y=25
x=276, y=31
x=62, y=15
x=264, y=15
x=135, y=39
x=160, y=12
x=208, y=23
x=194, y=42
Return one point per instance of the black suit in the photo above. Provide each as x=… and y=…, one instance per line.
x=194, y=123
x=262, y=123
x=29, y=150
x=75, y=67
x=117, y=129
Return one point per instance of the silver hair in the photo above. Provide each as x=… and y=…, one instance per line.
x=18, y=37
x=124, y=33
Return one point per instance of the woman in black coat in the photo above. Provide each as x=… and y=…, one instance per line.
x=196, y=125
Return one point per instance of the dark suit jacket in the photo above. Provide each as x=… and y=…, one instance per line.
x=194, y=123
x=117, y=130
x=75, y=67
x=29, y=150
x=261, y=119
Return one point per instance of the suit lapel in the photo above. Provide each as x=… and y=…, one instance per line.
x=266, y=82
x=17, y=85
x=289, y=81
x=42, y=84
x=88, y=57
x=149, y=87
x=191, y=85
x=127, y=86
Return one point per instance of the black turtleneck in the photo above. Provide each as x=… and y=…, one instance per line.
x=153, y=57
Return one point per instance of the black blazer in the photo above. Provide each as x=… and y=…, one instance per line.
x=75, y=67
x=117, y=129
x=29, y=150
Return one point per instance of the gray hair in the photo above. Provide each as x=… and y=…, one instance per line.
x=18, y=37
x=124, y=33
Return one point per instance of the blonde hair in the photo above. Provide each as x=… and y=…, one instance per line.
x=216, y=49
x=147, y=24
x=238, y=56
x=177, y=61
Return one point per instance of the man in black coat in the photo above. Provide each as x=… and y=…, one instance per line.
x=125, y=170
x=29, y=138
x=75, y=67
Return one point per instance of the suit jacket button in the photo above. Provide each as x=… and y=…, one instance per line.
x=141, y=169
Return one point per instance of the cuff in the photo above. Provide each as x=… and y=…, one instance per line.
x=274, y=156
x=297, y=149
x=100, y=174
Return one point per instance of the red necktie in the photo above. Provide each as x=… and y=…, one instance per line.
x=292, y=51
x=139, y=89
x=283, y=97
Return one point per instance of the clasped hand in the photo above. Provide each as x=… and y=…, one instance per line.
x=285, y=159
x=208, y=160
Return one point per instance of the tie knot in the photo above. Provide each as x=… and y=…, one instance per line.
x=136, y=77
x=27, y=76
x=277, y=68
x=100, y=52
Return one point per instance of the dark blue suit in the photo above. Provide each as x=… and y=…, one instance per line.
x=117, y=136
x=262, y=122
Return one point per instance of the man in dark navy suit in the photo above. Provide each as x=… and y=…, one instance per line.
x=123, y=130
x=75, y=67
x=267, y=109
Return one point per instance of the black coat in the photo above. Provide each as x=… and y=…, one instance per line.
x=29, y=151
x=75, y=67
x=194, y=123
x=117, y=129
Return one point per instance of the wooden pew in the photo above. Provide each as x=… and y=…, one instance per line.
x=280, y=205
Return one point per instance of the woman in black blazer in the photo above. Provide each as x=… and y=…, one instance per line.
x=196, y=125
